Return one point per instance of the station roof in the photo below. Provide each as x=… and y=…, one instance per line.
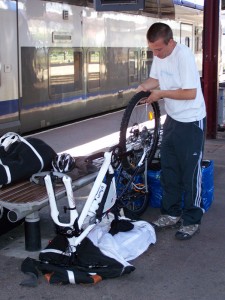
x=154, y=8
x=149, y=5
x=197, y=4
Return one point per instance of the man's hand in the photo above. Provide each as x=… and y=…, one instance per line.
x=154, y=96
x=141, y=88
x=148, y=85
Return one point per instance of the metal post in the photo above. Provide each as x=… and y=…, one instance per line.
x=210, y=63
x=32, y=232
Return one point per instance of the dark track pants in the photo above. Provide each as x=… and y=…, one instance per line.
x=181, y=177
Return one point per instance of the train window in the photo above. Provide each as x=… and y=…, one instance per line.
x=133, y=66
x=150, y=55
x=187, y=41
x=93, y=71
x=198, y=39
x=118, y=5
x=186, y=34
x=146, y=62
x=65, y=71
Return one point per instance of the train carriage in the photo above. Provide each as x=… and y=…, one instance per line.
x=65, y=61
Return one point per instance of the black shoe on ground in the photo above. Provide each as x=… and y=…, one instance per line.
x=186, y=232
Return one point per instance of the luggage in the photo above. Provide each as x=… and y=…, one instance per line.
x=20, y=158
x=155, y=189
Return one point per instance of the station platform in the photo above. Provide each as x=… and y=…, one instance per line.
x=168, y=270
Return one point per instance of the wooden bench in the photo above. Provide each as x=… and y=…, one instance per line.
x=25, y=199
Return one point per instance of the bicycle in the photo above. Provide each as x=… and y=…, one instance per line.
x=140, y=128
x=140, y=144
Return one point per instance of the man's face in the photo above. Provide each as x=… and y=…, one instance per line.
x=160, y=49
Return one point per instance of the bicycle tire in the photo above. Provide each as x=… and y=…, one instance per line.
x=136, y=204
x=139, y=115
x=135, y=201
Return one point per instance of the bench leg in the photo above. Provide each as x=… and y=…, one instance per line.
x=32, y=232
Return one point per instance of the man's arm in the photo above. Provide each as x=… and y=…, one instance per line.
x=179, y=94
x=151, y=84
x=148, y=84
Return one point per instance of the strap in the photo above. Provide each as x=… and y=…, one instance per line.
x=56, y=251
x=7, y=171
x=71, y=276
x=35, y=152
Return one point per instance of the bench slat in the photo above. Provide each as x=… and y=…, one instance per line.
x=25, y=197
x=26, y=192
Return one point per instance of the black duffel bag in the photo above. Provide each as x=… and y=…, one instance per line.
x=20, y=157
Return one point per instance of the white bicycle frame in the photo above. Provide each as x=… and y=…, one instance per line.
x=91, y=205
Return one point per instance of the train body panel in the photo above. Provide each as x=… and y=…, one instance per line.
x=9, y=94
x=63, y=62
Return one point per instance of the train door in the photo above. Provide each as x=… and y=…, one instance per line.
x=146, y=63
x=93, y=80
x=9, y=91
x=133, y=67
x=186, y=35
x=198, y=47
x=93, y=70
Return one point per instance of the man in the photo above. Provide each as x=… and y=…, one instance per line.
x=175, y=73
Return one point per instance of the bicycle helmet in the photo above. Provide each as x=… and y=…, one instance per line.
x=8, y=139
x=63, y=163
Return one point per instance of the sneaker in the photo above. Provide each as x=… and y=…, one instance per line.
x=165, y=221
x=186, y=232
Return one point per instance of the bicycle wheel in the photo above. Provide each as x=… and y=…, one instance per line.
x=135, y=201
x=140, y=128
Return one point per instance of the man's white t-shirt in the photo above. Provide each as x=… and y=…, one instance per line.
x=179, y=71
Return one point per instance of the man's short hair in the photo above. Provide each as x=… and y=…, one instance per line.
x=159, y=31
